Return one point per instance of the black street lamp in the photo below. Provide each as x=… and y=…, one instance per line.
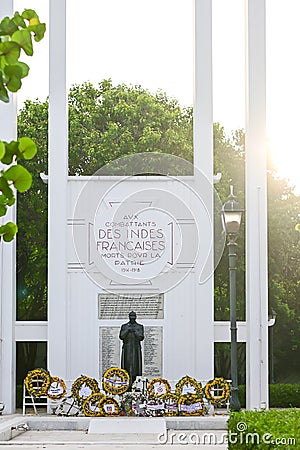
x=231, y=218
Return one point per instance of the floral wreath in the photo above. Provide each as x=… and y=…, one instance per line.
x=56, y=392
x=90, y=406
x=157, y=387
x=217, y=384
x=82, y=383
x=37, y=382
x=108, y=406
x=171, y=404
x=155, y=407
x=182, y=387
x=116, y=380
x=191, y=405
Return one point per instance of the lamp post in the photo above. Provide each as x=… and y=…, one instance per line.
x=231, y=218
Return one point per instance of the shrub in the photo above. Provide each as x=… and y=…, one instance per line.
x=281, y=395
x=284, y=395
x=271, y=429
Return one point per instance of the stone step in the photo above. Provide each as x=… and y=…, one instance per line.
x=197, y=423
x=79, y=439
x=127, y=432
x=125, y=425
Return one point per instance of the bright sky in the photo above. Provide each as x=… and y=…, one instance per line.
x=151, y=43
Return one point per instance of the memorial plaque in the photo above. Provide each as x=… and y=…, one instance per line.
x=110, y=348
x=118, y=306
x=152, y=352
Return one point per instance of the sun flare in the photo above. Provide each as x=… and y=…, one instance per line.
x=285, y=154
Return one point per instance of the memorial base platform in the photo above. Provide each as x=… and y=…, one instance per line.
x=153, y=430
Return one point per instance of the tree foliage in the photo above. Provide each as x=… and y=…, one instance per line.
x=283, y=259
x=109, y=121
x=16, y=35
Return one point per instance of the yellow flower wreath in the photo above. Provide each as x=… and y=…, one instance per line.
x=37, y=382
x=108, y=406
x=57, y=388
x=115, y=380
x=188, y=385
x=171, y=404
x=83, y=387
x=157, y=387
x=90, y=406
x=217, y=391
x=191, y=405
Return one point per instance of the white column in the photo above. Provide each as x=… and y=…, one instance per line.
x=57, y=191
x=203, y=161
x=256, y=207
x=203, y=95
x=8, y=132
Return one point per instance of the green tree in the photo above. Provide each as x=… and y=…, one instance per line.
x=32, y=217
x=109, y=121
x=284, y=278
x=15, y=36
x=283, y=258
x=229, y=157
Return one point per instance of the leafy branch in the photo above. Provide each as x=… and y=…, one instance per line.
x=16, y=35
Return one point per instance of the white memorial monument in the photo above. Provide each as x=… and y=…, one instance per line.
x=143, y=242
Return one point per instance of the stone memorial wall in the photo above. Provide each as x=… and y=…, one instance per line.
x=110, y=350
x=153, y=351
x=117, y=306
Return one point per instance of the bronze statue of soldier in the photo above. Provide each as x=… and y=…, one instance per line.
x=132, y=333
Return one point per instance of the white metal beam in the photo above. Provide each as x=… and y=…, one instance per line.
x=256, y=208
x=203, y=161
x=8, y=132
x=222, y=331
x=203, y=93
x=31, y=331
x=38, y=331
x=57, y=192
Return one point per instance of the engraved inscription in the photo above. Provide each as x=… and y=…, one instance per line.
x=110, y=348
x=118, y=306
x=153, y=352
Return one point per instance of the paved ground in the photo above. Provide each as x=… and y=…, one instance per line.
x=137, y=446
x=56, y=440
x=81, y=439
